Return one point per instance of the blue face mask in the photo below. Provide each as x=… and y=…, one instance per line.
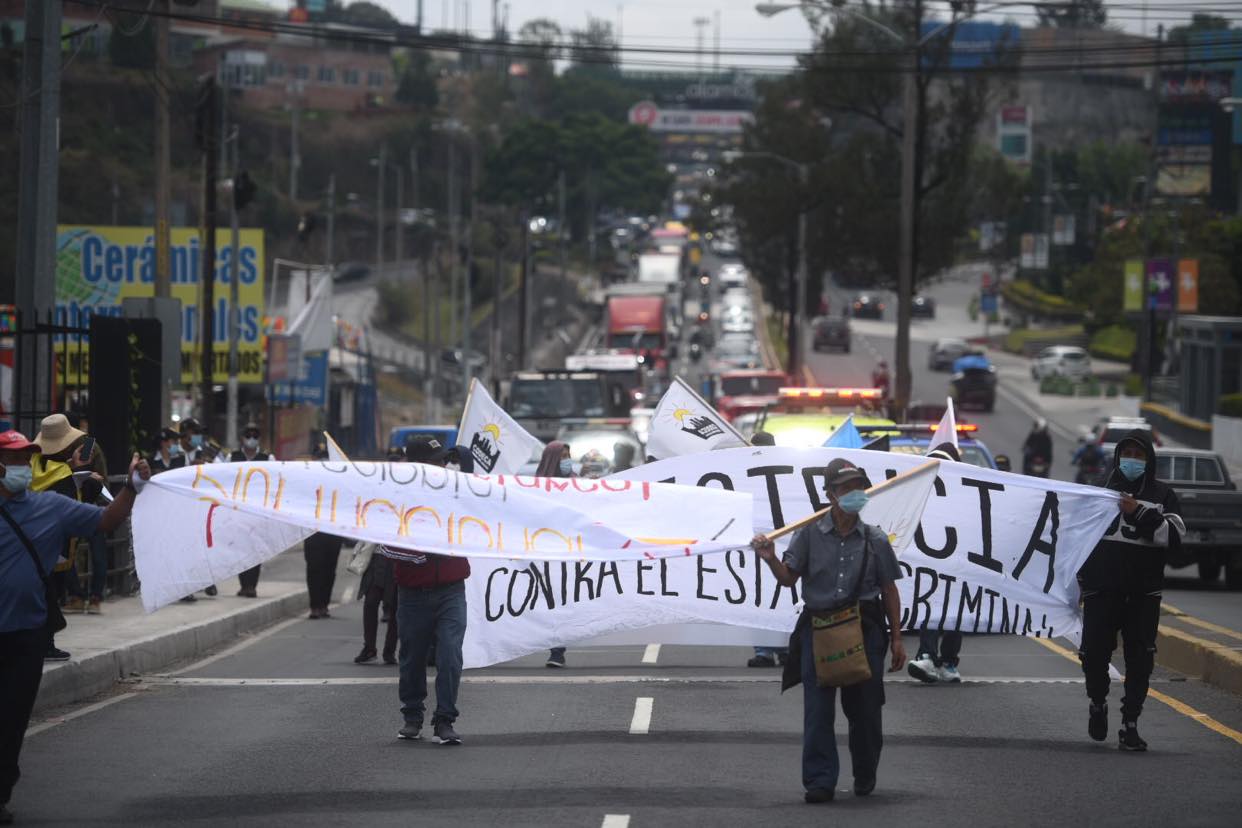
x=17, y=479
x=853, y=502
x=196, y=441
x=567, y=467
x=1132, y=468
x=174, y=450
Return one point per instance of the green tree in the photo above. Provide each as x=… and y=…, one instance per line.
x=595, y=46
x=1199, y=22
x=132, y=42
x=416, y=85
x=362, y=13
x=1078, y=14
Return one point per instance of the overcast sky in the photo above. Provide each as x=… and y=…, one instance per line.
x=670, y=23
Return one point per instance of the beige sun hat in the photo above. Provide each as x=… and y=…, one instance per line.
x=55, y=434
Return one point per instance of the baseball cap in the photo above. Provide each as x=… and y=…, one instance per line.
x=841, y=471
x=15, y=441
x=425, y=449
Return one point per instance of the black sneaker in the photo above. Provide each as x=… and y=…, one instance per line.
x=211, y=590
x=54, y=654
x=390, y=658
x=1097, y=724
x=761, y=661
x=555, y=659
x=864, y=787
x=816, y=796
x=445, y=735
x=1128, y=738
x=411, y=732
x=365, y=656
x=189, y=599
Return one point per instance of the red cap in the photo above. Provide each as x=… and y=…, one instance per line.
x=15, y=441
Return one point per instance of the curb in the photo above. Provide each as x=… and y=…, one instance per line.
x=76, y=681
x=1213, y=663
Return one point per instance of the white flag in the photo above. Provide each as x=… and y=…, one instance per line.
x=496, y=442
x=946, y=431
x=683, y=423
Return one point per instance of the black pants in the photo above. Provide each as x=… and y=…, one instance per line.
x=1137, y=617
x=943, y=647
x=21, y=670
x=370, y=617
x=250, y=578
x=321, y=552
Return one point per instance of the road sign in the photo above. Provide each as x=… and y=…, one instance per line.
x=1188, y=286
x=1160, y=285
x=988, y=303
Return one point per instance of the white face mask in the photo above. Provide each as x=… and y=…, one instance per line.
x=251, y=443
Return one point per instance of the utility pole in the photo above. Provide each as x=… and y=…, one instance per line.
x=295, y=152
x=562, y=236
x=909, y=186
x=163, y=168
x=234, y=294
x=379, y=210
x=468, y=321
x=330, y=240
x=493, y=351
x=398, y=242
x=208, y=112
x=524, y=294
x=34, y=286
x=453, y=237
x=797, y=351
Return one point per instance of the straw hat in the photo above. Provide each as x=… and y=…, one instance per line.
x=55, y=434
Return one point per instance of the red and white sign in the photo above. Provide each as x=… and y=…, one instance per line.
x=646, y=113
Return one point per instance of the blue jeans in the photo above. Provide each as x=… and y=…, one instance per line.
x=423, y=616
x=863, y=705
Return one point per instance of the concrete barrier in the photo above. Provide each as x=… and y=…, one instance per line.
x=1186, y=430
x=1227, y=439
x=1206, y=660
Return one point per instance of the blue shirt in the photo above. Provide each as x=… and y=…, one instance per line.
x=830, y=564
x=49, y=520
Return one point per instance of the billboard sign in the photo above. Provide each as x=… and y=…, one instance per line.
x=1188, y=286
x=1160, y=284
x=1132, y=290
x=719, y=121
x=97, y=268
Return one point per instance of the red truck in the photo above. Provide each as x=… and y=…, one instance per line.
x=638, y=324
x=743, y=392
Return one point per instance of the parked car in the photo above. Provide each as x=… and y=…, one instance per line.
x=1211, y=508
x=831, y=333
x=943, y=354
x=867, y=306
x=1061, y=361
x=923, y=306
x=974, y=382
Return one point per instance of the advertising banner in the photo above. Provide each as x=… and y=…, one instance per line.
x=98, y=267
x=1132, y=290
x=1188, y=286
x=1160, y=284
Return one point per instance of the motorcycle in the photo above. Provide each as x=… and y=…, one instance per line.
x=1035, y=466
x=696, y=351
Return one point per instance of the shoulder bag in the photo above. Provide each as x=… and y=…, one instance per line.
x=55, y=618
x=361, y=558
x=837, y=637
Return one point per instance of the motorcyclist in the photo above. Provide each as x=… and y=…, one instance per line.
x=879, y=377
x=1089, y=458
x=1037, y=447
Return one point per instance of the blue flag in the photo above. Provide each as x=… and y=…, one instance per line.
x=846, y=436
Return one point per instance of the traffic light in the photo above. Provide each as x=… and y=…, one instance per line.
x=243, y=190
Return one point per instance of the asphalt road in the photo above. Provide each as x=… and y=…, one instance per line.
x=556, y=748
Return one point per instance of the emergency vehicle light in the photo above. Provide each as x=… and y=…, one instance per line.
x=839, y=393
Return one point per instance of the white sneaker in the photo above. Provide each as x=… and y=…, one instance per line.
x=924, y=669
x=949, y=674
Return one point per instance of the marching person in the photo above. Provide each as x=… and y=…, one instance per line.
x=168, y=453
x=939, y=651
x=556, y=461
x=431, y=606
x=249, y=451
x=841, y=560
x=34, y=527
x=1122, y=585
x=766, y=656
x=377, y=588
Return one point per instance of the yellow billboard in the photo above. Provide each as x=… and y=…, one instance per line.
x=98, y=267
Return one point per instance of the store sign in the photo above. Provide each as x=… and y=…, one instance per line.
x=719, y=121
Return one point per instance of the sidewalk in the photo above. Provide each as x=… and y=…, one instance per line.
x=125, y=640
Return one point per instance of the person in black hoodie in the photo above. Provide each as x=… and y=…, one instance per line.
x=1121, y=586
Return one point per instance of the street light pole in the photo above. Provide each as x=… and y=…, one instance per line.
x=797, y=357
x=905, y=265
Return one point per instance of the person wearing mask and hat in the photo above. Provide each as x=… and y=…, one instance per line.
x=555, y=462
x=431, y=606
x=766, y=656
x=34, y=527
x=1122, y=584
x=248, y=452
x=841, y=560
x=193, y=448
x=168, y=454
x=939, y=651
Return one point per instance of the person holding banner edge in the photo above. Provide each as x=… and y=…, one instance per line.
x=843, y=563
x=939, y=650
x=766, y=656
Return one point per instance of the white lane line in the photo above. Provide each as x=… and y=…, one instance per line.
x=652, y=654
x=640, y=725
x=195, y=681
x=249, y=641
x=81, y=711
x=616, y=821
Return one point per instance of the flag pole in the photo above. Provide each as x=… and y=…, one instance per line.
x=465, y=409
x=705, y=404
x=922, y=468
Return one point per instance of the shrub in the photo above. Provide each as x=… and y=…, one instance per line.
x=1115, y=342
x=1111, y=391
x=1229, y=405
x=1133, y=385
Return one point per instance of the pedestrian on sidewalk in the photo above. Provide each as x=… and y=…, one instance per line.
x=168, y=454
x=1122, y=585
x=89, y=492
x=377, y=588
x=939, y=651
x=249, y=451
x=431, y=606
x=555, y=462
x=766, y=656
x=842, y=562
x=34, y=527
x=196, y=451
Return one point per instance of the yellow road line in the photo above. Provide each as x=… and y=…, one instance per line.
x=1199, y=622
x=1181, y=707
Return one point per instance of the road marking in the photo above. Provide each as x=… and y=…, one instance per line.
x=1199, y=622
x=338, y=681
x=81, y=711
x=616, y=821
x=238, y=647
x=640, y=725
x=1180, y=706
x=652, y=654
